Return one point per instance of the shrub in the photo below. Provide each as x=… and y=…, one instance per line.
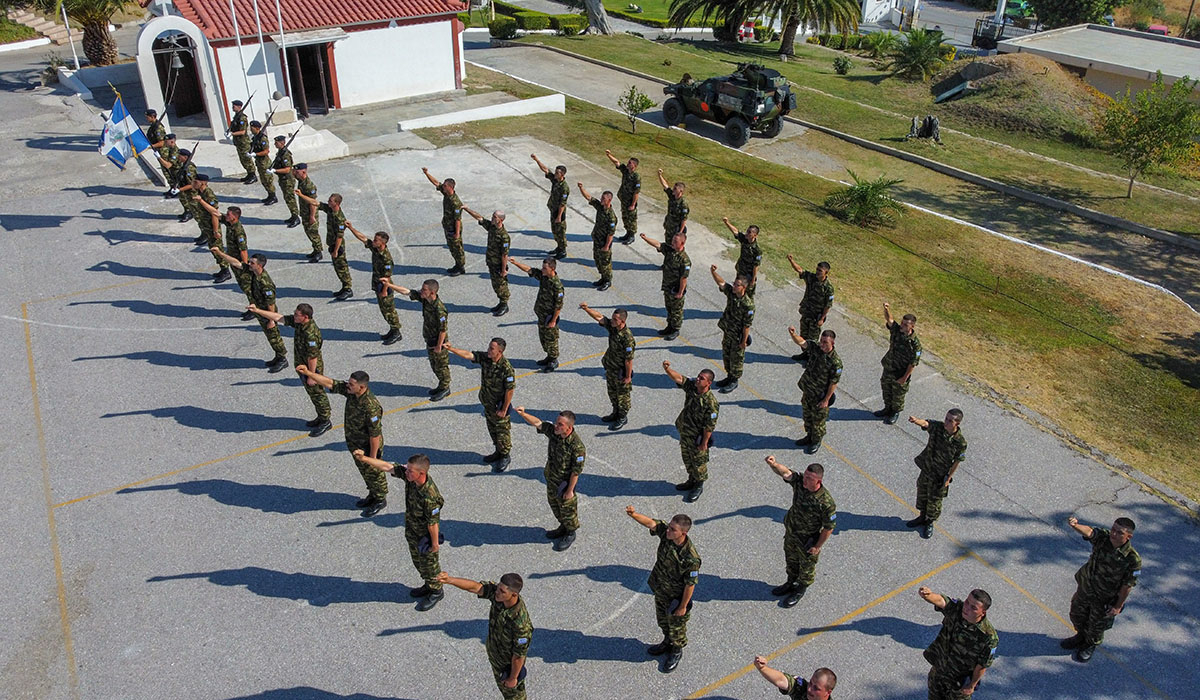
x=568, y=25
x=823, y=39
x=465, y=18
x=919, y=56
x=812, y=39
x=503, y=28
x=842, y=65
x=764, y=34
x=879, y=43
x=852, y=42
x=866, y=202
x=532, y=21
x=506, y=9
x=1193, y=30
x=837, y=41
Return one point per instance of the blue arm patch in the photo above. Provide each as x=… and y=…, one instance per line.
x=374, y=419
x=693, y=574
x=579, y=458
x=435, y=511
x=312, y=343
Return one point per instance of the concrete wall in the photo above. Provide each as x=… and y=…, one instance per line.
x=262, y=78
x=390, y=63
x=876, y=10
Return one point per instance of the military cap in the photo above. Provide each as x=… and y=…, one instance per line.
x=301, y=166
x=256, y=124
x=184, y=151
x=202, y=176
x=170, y=136
x=151, y=113
x=238, y=103
x=280, y=137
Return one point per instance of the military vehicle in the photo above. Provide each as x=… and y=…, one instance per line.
x=753, y=99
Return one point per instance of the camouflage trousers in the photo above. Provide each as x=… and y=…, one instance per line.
x=559, y=229
x=426, y=562
x=212, y=236
x=814, y=416
x=629, y=219
x=242, y=144
x=810, y=330
x=265, y=176
x=619, y=392
x=455, y=244
x=548, y=337
x=671, y=227
x=566, y=512
x=893, y=393
x=320, y=400
x=273, y=337
x=930, y=493
x=500, y=430
x=287, y=185
x=603, y=260
x=499, y=280
x=674, y=627
x=733, y=354
x=341, y=267
x=694, y=460
x=375, y=480
x=387, y=309
x=1090, y=617
x=801, y=566
x=187, y=200
x=674, y=310
x=943, y=687
x=439, y=362
x=310, y=229
x=243, y=277
x=500, y=672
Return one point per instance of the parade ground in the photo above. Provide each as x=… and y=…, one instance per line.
x=171, y=530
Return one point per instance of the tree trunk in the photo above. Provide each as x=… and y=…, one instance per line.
x=787, y=41
x=1129, y=192
x=98, y=45
x=597, y=17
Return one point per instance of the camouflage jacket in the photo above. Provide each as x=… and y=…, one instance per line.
x=235, y=240
x=335, y=226
x=497, y=379
x=559, y=192
x=676, y=266
x=605, y=226
x=818, y=295
x=960, y=645
x=422, y=505
x=1109, y=568
x=749, y=257
x=699, y=414
x=823, y=369
x=675, y=567
x=363, y=417
x=903, y=350
x=497, y=242
x=262, y=290
x=811, y=511
x=942, y=450
x=381, y=263
x=564, y=456
x=433, y=317
x=283, y=159
x=739, y=312
x=306, y=341
x=451, y=210
x=509, y=629
x=620, y=347
x=308, y=189
x=549, y=296
x=240, y=123
x=258, y=144
x=677, y=212
x=631, y=184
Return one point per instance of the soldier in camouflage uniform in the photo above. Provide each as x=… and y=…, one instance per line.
x=306, y=190
x=496, y=256
x=452, y=208
x=965, y=646
x=261, y=149
x=1102, y=584
x=557, y=204
x=156, y=134
x=735, y=328
x=603, y=230
x=677, y=209
x=239, y=131
x=306, y=348
x=281, y=165
x=817, y=386
x=183, y=176
x=422, y=521
x=806, y=528
x=938, y=461
x=749, y=254
x=819, y=687
x=209, y=221
x=434, y=328
x=509, y=629
x=335, y=241
x=628, y=194
x=903, y=356
x=565, y=456
x=262, y=296
x=815, y=305
x=695, y=423
x=381, y=268
x=617, y=362
x=363, y=421
x=168, y=155
x=673, y=582
x=495, y=396
x=547, y=308
x=235, y=247
x=675, y=270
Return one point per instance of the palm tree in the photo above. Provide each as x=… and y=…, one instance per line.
x=866, y=202
x=730, y=13
x=920, y=55
x=93, y=16
x=826, y=15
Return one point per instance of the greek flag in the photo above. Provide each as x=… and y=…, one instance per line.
x=122, y=138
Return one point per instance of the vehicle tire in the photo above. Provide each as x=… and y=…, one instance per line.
x=737, y=131
x=774, y=128
x=673, y=112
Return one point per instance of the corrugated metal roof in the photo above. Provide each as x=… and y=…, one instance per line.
x=215, y=20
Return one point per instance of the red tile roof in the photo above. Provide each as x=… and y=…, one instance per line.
x=214, y=19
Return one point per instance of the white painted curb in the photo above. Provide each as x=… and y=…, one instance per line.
x=27, y=44
x=536, y=105
x=68, y=79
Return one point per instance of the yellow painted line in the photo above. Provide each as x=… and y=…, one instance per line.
x=63, y=616
x=840, y=621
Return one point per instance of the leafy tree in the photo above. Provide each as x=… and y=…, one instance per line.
x=597, y=17
x=866, y=202
x=1157, y=126
x=919, y=56
x=93, y=16
x=729, y=13
x=1064, y=13
x=878, y=44
x=826, y=16
x=633, y=102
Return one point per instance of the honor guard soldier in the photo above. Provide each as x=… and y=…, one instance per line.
x=183, y=177
x=496, y=386
x=496, y=256
x=817, y=386
x=381, y=268
x=239, y=130
x=603, y=230
x=565, y=456
x=673, y=582
x=282, y=166
x=618, y=364
x=236, y=248
x=695, y=423
x=262, y=295
x=628, y=194
x=509, y=629
x=307, y=192
x=209, y=221
x=557, y=204
x=306, y=348
x=965, y=646
x=261, y=149
x=156, y=134
x=452, y=208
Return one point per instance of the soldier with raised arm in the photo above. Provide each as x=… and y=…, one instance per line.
x=496, y=386
x=617, y=362
x=628, y=194
x=749, y=254
x=565, y=456
x=677, y=208
x=557, y=204
x=306, y=190
x=496, y=256
x=547, y=307
x=806, y=528
x=434, y=329
x=452, y=208
x=695, y=423
x=673, y=582
x=735, y=328
x=675, y=270
x=817, y=386
x=381, y=269
x=819, y=687
x=965, y=646
x=1103, y=584
x=306, y=348
x=815, y=305
x=262, y=296
x=603, y=231
x=509, y=629
x=939, y=460
x=903, y=356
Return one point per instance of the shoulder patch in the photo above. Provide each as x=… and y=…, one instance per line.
x=693, y=574
x=522, y=640
x=312, y=343
x=508, y=379
x=1137, y=572
x=579, y=458
x=374, y=419
x=714, y=415
x=435, y=511
x=833, y=516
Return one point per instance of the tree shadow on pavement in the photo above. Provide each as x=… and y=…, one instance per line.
x=267, y=498
x=174, y=359
x=310, y=693
x=219, y=421
x=316, y=590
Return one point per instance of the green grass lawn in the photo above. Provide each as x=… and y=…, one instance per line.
x=11, y=31
x=1091, y=352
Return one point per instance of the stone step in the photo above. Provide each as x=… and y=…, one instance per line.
x=60, y=42
x=41, y=25
x=21, y=17
x=55, y=33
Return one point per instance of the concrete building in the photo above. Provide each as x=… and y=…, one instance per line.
x=1112, y=59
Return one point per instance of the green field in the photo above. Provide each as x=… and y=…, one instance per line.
x=11, y=31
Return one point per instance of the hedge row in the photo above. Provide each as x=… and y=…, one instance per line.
x=568, y=25
x=503, y=27
x=845, y=42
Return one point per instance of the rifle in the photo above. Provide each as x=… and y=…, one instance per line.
x=275, y=164
x=245, y=105
x=191, y=159
x=269, y=118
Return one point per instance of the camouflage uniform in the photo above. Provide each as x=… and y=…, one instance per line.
x=631, y=184
x=308, y=213
x=242, y=143
x=564, y=457
x=157, y=132
x=212, y=236
x=559, y=192
x=677, y=213
x=451, y=223
x=941, y=452
x=749, y=258
x=183, y=175
x=497, y=251
x=811, y=512
x=603, y=232
x=675, y=568
x=306, y=345
x=364, y=420
x=509, y=634
x=381, y=266
x=699, y=415
x=823, y=369
x=287, y=181
x=903, y=350
x=262, y=295
x=235, y=245
x=818, y=298
x=422, y=508
x=959, y=647
x=739, y=314
x=620, y=350
x=497, y=378
x=676, y=266
x=171, y=155
x=258, y=144
x=335, y=239
x=797, y=688
x=433, y=324
x=1106, y=572
x=549, y=300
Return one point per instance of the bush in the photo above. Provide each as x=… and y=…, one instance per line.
x=812, y=39
x=866, y=202
x=503, y=28
x=842, y=65
x=1193, y=30
x=532, y=21
x=823, y=39
x=879, y=43
x=568, y=25
x=659, y=23
x=852, y=42
x=764, y=34
x=465, y=18
x=836, y=41
x=506, y=9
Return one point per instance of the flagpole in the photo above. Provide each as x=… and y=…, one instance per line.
x=262, y=51
x=287, y=75
x=237, y=36
x=70, y=36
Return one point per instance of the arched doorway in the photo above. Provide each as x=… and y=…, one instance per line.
x=178, y=76
x=176, y=38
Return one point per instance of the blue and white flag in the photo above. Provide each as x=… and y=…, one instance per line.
x=122, y=138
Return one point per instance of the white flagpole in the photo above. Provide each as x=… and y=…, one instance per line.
x=287, y=75
x=71, y=36
x=262, y=50
x=237, y=36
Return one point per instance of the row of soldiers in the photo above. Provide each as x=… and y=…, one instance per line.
x=966, y=645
